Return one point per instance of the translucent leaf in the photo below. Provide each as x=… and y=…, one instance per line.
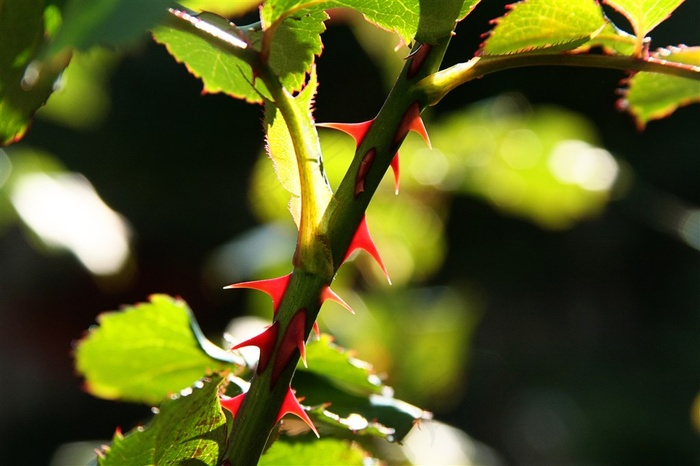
x=296, y=43
x=650, y=96
x=320, y=452
x=349, y=397
x=408, y=18
x=340, y=412
x=106, y=22
x=326, y=359
x=280, y=148
x=144, y=352
x=544, y=25
x=644, y=15
x=208, y=59
x=25, y=84
x=189, y=429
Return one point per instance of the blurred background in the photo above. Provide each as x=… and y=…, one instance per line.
x=545, y=254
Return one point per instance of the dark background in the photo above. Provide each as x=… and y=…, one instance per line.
x=588, y=351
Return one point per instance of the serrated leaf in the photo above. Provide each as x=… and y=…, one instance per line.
x=328, y=360
x=644, y=15
x=144, y=352
x=296, y=43
x=348, y=397
x=544, y=25
x=408, y=18
x=650, y=96
x=106, y=22
x=320, y=452
x=189, y=429
x=207, y=58
x=340, y=411
x=23, y=26
x=400, y=17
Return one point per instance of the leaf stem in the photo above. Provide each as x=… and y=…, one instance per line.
x=438, y=85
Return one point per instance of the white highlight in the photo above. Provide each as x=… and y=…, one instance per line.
x=210, y=29
x=575, y=162
x=66, y=212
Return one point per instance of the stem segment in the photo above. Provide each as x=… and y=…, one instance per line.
x=438, y=85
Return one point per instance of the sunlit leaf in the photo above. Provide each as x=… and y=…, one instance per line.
x=408, y=18
x=544, y=25
x=25, y=84
x=644, y=15
x=341, y=412
x=189, y=428
x=650, y=96
x=296, y=43
x=280, y=148
x=326, y=359
x=208, y=59
x=321, y=452
x=144, y=352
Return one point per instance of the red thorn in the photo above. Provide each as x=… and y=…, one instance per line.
x=232, y=404
x=293, y=339
x=329, y=295
x=274, y=287
x=412, y=121
x=356, y=130
x=363, y=240
x=265, y=341
x=317, y=331
x=395, y=169
x=291, y=405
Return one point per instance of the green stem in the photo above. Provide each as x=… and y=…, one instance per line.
x=441, y=83
x=343, y=219
x=257, y=415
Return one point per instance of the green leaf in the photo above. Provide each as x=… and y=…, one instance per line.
x=209, y=59
x=401, y=17
x=144, y=352
x=296, y=43
x=340, y=412
x=25, y=84
x=189, y=429
x=644, y=15
x=106, y=22
x=328, y=360
x=650, y=96
x=544, y=25
x=426, y=21
x=323, y=451
x=349, y=397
